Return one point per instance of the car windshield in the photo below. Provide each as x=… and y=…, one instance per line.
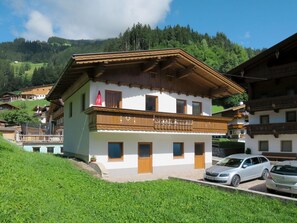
x=230, y=162
x=285, y=170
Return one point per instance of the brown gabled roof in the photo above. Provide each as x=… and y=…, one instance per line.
x=210, y=81
x=279, y=48
x=10, y=105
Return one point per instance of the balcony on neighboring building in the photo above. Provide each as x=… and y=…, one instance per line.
x=102, y=118
x=274, y=103
x=272, y=129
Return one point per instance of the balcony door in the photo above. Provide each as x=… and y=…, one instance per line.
x=145, y=160
x=113, y=99
x=199, y=161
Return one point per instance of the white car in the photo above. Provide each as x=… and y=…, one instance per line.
x=283, y=177
x=238, y=168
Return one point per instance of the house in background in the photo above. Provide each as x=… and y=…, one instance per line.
x=6, y=107
x=41, y=112
x=36, y=92
x=10, y=96
x=141, y=112
x=236, y=127
x=271, y=78
x=55, y=117
x=8, y=132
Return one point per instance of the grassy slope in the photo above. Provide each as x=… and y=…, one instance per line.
x=43, y=188
x=17, y=66
x=28, y=105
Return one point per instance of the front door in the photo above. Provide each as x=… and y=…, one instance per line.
x=199, y=155
x=145, y=164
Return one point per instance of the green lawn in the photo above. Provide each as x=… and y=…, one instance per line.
x=43, y=188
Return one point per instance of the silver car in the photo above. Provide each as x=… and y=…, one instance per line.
x=283, y=177
x=238, y=168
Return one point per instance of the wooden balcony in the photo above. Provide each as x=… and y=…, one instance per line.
x=101, y=118
x=275, y=103
x=41, y=138
x=272, y=129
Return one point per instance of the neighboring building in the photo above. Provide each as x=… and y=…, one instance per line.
x=6, y=106
x=141, y=112
x=55, y=117
x=7, y=132
x=236, y=127
x=36, y=92
x=10, y=96
x=271, y=78
x=41, y=112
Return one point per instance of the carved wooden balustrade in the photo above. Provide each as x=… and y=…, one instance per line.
x=272, y=129
x=102, y=118
x=275, y=103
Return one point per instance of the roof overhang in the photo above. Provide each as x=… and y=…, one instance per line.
x=173, y=63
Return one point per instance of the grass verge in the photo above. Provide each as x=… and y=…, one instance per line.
x=38, y=187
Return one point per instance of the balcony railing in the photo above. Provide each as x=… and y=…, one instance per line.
x=41, y=138
x=272, y=129
x=275, y=103
x=101, y=118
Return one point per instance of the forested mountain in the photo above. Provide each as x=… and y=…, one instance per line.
x=216, y=51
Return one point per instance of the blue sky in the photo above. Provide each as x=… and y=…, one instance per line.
x=251, y=23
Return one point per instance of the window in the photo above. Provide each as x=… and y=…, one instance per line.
x=286, y=146
x=62, y=149
x=248, y=162
x=151, y=103
x=115, y=151
x=181, y=106
x=36, y=149
x=83, y=102
x=264, y=119
x=178, y=150
x=255, y=160
x=263, y=146
x=70, y=110
x=113, y=99
x=291, y=116
x=50, y=149
x=196, y=108
x=263, y=159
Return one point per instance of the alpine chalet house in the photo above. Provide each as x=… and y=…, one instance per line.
x=236, y=127
x=271, y=80
x=141, y=112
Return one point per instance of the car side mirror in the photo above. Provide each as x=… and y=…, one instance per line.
x=244, y=166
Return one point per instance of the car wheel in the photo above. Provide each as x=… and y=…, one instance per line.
x=264, y=174
x=235, y=181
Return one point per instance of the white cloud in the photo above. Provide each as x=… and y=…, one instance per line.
x=87, y=19
x=38, y=27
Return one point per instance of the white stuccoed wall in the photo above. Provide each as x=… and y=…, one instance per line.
x=134, y=98
x=162, y=145
x=274, y=117
x=76, y=134
x=274, y=143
